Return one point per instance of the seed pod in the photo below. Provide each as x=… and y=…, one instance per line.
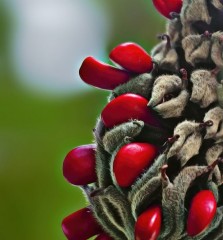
x=212, y=154
x=112, y=210
x=220, y=93
x=216, y=116
x=147, y=188
x=80, y=225
x=174, y=28
x=148, y=224
x=202, y=211
x=132, y=57
x=141, y=85
x=174, y=198
x=204, y=88
x=79, y=165
x=131, y=160
x=164, y=99
x=102, y=167
x=102, y=75
x=217, y=49
x=117, y=136
x=197, y=48
x=168, y=6
x=183, y=130
x=125, y=107
x=165, y=55
x=103, y=236
x=194, y=11
x=190, y=148
x=163, y=85
x=218, y=4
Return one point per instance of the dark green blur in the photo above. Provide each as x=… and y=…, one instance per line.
x=37, y=131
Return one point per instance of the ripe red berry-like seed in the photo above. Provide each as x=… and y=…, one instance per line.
x=103, y=236
x=131, y=160
x=165, y=7
x=80, y=225
x=132, y=57
x=201, y=213
x=101, y=75
x=148, y=224
x=79, y=165
x=125, y=107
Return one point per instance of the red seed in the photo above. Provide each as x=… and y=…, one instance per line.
x=101, y=75
x=79, y=165
x=125, y=107
x=132, y=57
x=131, y=160
x=80, y=225
x=165, y=7
x=148, y=224
x=103, y=236
x=202, y=211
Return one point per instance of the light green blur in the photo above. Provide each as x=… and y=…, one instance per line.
x=36, y=132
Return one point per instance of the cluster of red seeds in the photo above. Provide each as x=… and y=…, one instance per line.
x=131, y=159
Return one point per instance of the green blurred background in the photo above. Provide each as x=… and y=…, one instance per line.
x=45, y=110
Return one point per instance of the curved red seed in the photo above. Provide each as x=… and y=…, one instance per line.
x=132, y=57
x=202, y=211
x=80, y=225
x=131, y=160
x=101, y=75
x=79, y=165
x=126, y=107
x=148, y=224
x=165, y=7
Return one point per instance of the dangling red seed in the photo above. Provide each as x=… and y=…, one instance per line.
x=148, y=224
x=101, y=75
x=132, y=57
x=131, y=160
x=202, y=211
x=79, y=165
x=165, y=7
x=125, y=107
x=103, y=236
x=80, y=225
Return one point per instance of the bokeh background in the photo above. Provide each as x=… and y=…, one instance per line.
x=45, y=109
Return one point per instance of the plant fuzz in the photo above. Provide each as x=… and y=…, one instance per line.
x=180, y=113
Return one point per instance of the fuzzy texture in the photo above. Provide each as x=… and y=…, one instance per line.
x=185, y=91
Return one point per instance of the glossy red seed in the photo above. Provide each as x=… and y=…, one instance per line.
x=80, y=225
x=148, y=224
x=132, y=57
x=125, y=107
x=103, y=236
x=79, y=165
x=131, y=160
x=201, y=213
x=101, y=75
x=165, y=7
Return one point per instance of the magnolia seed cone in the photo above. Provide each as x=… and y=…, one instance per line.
x=157, y=165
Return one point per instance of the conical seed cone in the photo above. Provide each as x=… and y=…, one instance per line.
x=176, y=108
